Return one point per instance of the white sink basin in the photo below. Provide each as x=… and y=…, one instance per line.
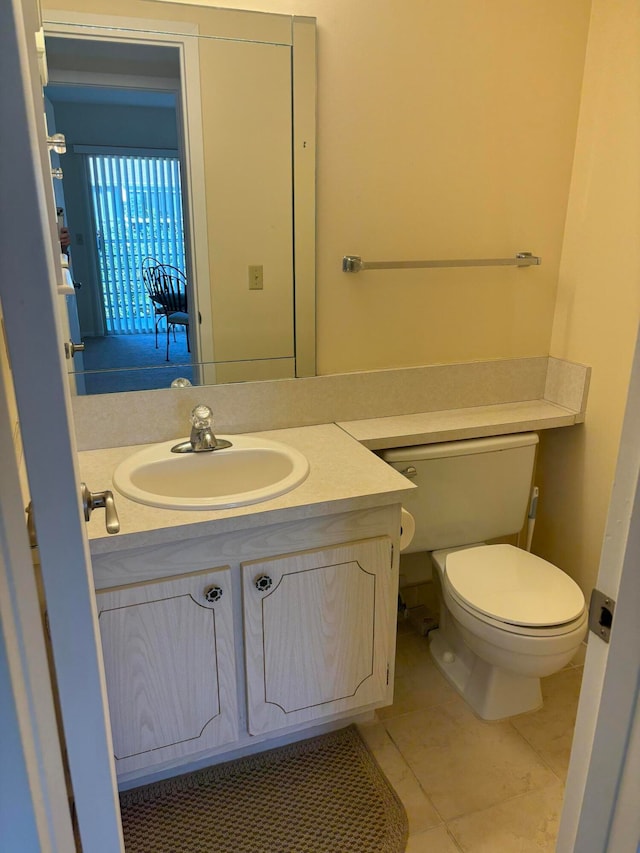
x=251, y=470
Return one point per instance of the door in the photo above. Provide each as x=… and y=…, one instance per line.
x=136, y=201
x=28, y=292
x=317, y=632
x=34, y=810
x=170, y=667
x=605, y=758
x=67, y=293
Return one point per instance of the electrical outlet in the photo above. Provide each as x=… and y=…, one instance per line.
x=255, y=277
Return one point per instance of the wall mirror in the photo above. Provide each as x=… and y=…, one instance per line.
x=188, y=190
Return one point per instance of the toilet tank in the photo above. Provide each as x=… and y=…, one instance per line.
x=468, y=491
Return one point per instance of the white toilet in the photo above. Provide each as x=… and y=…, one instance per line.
x=507, y=617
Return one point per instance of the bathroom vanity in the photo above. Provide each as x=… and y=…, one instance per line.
x=225, y=629
x=231, y=630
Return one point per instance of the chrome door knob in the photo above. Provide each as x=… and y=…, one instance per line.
x=100, y=500
x=70, y=349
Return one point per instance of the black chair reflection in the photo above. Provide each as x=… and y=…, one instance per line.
x=166, y=286
x=149, y=267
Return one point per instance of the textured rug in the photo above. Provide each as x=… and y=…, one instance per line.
x=323, y=795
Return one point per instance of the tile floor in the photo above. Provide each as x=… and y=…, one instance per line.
x=470, y=785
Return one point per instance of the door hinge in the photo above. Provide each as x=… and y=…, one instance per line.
x=387, y=673
x=601, y=609
x=392, y=553
x=31, y=526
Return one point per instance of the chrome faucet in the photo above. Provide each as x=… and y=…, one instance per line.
x=202, y=437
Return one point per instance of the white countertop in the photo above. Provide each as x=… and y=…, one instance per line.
x=455, y=424
x=343, y=476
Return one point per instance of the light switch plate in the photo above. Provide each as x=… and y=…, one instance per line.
x=256, y=277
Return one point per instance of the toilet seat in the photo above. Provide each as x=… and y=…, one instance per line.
x=514, y=590
x=552, y=632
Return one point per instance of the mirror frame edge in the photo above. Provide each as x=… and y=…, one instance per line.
x=304, y=40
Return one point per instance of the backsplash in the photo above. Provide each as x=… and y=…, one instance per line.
x=114, y=420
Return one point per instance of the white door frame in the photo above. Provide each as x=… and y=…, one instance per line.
x=28, y=293
x=604, y=772
x=31, y=728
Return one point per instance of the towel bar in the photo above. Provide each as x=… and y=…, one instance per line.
x=354, y=263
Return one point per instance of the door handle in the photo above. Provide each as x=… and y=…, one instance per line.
x=70, y=349
x=100, y=500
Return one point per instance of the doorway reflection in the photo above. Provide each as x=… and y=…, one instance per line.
x=122, y=197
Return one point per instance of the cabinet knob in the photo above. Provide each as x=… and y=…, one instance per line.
x=213, y=594
x=263, y=583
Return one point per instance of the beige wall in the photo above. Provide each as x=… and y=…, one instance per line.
x=446, y=129
x=598, y=305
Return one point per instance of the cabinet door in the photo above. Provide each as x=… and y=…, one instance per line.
x=317, y=632
x=170, y=667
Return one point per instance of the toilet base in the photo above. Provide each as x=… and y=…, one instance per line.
x=492, y=693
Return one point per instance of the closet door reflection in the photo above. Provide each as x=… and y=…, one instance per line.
x=248, y=166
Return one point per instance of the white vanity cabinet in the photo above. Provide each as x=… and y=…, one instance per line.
x=316, y=627
x=311, y=644
x=169, y=663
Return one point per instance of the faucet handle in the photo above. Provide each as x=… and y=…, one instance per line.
x=201, y=416
x=202, y=436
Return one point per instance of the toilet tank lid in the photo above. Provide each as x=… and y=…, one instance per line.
x=513, y=586
x=463, y=447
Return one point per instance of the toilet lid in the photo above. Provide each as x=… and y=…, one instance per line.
x=513, y=586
